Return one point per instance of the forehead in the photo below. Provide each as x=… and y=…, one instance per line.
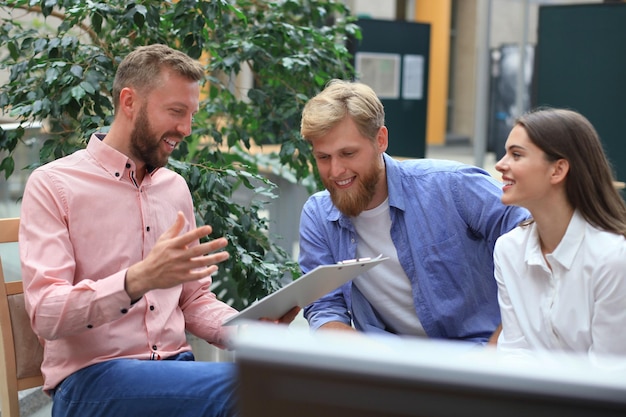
x=344, y=134
x=174, y=88
x=519, y=132
x=519, y=140
x=518, y=136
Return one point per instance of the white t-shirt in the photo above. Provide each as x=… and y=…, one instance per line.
x=386, y=286
x=579, y=305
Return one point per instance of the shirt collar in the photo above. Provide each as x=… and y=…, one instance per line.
x=394, y=183
x=112, y=160
x=566, y=251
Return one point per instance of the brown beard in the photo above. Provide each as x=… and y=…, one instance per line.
x=144, y=143
x=353, y=201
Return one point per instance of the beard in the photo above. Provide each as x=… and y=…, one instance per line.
x=353, y=201
x=145, y=144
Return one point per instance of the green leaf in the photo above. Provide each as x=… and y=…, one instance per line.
x=88, y=87
x=77, y=71
x=13, y=51
x=51, y=75
x=7, y=166
x=96, y=22
x=78, y=93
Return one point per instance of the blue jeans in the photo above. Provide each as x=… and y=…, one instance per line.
x=176, y=387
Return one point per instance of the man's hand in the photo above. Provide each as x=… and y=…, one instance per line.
x=172, y=261
x=286, y=319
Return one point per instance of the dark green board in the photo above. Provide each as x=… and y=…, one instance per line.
x=581, y=65
x=405, y=118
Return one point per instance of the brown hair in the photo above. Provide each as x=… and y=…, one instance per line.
x=142, y=67
x=589, y=186
x=338, y=100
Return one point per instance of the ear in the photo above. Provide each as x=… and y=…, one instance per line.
x=382, y=139
x=128, y=101
x=559, y=171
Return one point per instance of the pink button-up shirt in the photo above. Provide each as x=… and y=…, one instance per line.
x=84, y=221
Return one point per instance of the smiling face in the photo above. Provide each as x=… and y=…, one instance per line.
x=527, y=174
x=163, y=119
x=351, y=167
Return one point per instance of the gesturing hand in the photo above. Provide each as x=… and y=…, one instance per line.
x=175, y=259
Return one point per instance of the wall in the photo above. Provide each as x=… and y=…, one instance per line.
x=437, y=13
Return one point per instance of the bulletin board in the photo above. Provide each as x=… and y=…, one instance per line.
x=393, y=59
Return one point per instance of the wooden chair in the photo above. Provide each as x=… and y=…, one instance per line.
x=21, y=353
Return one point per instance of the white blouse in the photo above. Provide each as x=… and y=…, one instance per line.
x=578, y=306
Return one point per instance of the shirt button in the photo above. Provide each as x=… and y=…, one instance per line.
x=117, y=174
x=90, y=326
x=127, y=165
x=124, y=311
x=154, y=347
x=148, y=229
x=151, y=308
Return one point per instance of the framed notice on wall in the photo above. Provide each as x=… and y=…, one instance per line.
x=380, y=71
x=393, y=57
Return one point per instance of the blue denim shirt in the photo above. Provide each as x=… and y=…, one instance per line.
x=445, y=219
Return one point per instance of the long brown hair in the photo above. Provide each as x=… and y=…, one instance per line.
x=589, y=186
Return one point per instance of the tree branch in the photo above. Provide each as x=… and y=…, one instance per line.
x=59, y=15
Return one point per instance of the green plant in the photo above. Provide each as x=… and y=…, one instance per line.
x=61, y=64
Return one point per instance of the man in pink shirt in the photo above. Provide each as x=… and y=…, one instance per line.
x=112, y=266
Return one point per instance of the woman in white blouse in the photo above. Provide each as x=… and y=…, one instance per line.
x=562, y=274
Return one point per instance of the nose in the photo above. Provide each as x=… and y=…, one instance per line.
x=336, y=167
x=184, y=128
x=501, y=164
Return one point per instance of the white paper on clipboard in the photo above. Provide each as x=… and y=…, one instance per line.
x=305, y=290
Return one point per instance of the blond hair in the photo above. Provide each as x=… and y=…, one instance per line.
x=337, y=101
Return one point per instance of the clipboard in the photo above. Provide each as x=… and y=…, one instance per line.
x=305, y=290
